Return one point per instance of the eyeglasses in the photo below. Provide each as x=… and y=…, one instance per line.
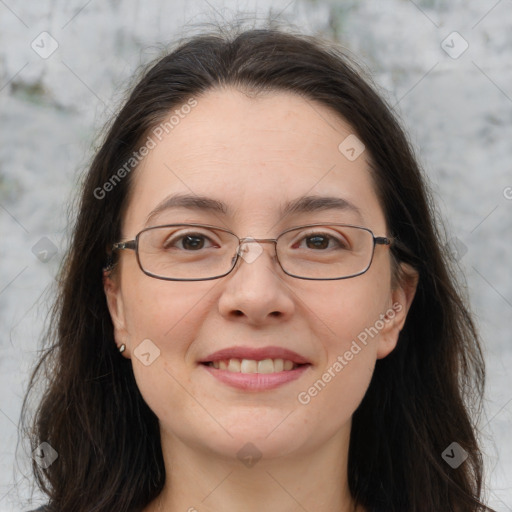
x=199, y=252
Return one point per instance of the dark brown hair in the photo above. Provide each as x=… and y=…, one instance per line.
x=425, y=395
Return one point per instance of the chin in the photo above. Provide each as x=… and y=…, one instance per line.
x=272, y=435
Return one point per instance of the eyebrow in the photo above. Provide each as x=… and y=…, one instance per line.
x=304, y=204
x=189, y=202
x=308, y=204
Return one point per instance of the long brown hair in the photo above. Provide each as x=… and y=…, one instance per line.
x=425, y=395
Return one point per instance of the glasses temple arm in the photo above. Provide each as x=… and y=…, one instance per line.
x=131, y=244
x=383, y=240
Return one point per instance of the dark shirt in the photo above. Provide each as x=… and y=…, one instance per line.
x=43, y=509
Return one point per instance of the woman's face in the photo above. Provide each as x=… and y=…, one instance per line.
x=255, y=155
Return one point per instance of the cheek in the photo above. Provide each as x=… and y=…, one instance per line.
x=164, y=311
x=338, y=387
x=348, y=321
x=169, y=315
x=163, y=319
x=335, y=394
x=349, y=308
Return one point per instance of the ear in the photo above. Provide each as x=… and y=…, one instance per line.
x=116, y=308
x=394, y=318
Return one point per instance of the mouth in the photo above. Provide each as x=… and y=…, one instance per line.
x=264, y=366
x=242, y=359
x=255, y=369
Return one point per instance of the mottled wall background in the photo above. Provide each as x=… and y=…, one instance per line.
x=446, y=66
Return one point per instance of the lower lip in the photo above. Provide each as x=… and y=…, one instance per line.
x=256, y=381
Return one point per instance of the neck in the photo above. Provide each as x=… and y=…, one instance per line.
x=202, y=481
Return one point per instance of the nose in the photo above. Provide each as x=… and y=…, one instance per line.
x=256, y=291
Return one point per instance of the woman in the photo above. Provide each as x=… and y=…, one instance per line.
x=255, y=311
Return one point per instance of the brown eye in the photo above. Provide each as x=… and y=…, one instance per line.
x=187, y=242
x=322, y=241
x=317, y=242
x=192, y=242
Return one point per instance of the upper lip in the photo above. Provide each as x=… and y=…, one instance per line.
x=257, y=354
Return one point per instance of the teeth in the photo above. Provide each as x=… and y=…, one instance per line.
x=249, y=366
x=278, y=365
x=253, y=366
x=234, y=365
x=266, y=366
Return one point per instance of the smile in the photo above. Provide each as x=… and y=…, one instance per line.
x=253, y=366
x=252, y=375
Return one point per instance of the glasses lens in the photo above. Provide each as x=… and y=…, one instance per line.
x=195, y=252
x=186, y=251
x=325, y=252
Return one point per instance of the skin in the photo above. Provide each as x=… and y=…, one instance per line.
x=254, y=154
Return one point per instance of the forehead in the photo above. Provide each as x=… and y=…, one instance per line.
x=254, y=154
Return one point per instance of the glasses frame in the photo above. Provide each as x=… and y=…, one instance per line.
x=134, y=245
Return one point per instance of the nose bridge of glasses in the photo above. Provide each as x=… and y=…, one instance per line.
x=250, y=248
x=250, y=239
